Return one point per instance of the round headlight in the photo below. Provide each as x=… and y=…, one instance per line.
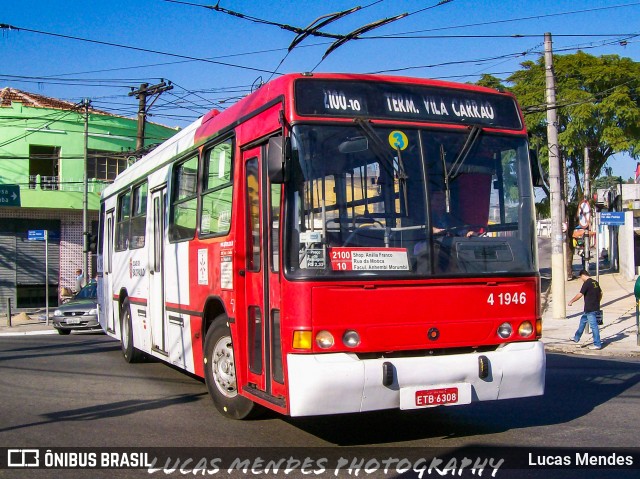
x=324, y=339
x=351, y=339
x=525, y=329
x=505, y=330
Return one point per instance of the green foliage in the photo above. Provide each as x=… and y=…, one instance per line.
x=543, y=208
x=605, y=182
x=598, y=107
x=489, y=81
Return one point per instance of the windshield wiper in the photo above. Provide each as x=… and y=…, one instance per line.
x=380, y=150
x=458, y=162
x=464, y=152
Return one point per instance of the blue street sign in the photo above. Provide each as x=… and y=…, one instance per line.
x=35, y=235
x=38, y=235
x=9, y=195
x=612, y=218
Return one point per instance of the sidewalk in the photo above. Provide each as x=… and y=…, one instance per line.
x=26, y=324
x=618, y=333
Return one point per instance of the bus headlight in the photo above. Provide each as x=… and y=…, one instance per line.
x=525, y=329
x=505, y=330
x=324, y=339
x=351, y=339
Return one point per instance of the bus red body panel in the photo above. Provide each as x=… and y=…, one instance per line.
x=341, y=289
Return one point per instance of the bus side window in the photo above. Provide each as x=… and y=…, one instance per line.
x=122, y=221
x=182, y=220
x=139, y=216
x=217, y=187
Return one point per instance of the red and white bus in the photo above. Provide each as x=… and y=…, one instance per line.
x=333, y=243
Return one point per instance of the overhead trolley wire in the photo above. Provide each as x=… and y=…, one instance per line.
x=131, y=47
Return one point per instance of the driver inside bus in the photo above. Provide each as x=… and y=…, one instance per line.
x=443, y=224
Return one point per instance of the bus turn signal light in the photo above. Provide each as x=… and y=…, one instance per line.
x=302, y=340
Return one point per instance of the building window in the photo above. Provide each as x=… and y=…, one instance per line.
x=43, y=167
x=105, y=165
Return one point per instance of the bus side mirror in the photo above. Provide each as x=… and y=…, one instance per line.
x=537, y=175
x=276, y=159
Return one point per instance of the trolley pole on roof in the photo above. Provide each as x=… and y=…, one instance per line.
x=557, y=257
x=141, y=94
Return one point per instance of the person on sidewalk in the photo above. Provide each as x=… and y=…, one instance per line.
x=592, y=294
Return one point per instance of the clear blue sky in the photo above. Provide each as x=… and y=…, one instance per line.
x=456, y=42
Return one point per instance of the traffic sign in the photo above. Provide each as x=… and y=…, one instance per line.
x=584, y=214
x=612, y=218
x=35, y=235
x=38, y=235
x=9, y=195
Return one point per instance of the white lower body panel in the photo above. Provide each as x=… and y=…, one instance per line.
x=341, y=383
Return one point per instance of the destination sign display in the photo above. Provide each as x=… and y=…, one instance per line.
x=404, y=102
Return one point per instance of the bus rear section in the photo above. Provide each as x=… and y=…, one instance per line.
x=334, y=244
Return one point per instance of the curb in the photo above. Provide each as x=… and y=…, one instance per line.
x=30, y=333
x=583, y=351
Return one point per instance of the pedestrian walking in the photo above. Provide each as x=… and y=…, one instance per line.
x=592, y=294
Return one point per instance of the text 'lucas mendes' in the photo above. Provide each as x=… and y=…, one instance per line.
x=580, y=459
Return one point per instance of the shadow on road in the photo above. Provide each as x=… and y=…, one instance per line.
x=595, y=381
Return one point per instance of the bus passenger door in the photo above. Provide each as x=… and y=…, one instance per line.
x=262, y=293
x=156, y=271
x=110, y=306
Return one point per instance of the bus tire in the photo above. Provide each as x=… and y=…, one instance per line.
x=220, y=372
x=129, y=352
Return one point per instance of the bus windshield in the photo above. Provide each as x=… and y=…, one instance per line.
x=366, y=200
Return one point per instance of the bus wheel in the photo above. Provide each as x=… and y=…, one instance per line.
x=220, y=372
x=131, y=354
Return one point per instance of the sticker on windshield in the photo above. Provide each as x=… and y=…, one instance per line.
x=369, y=259
x=315, y=258
x=398, y=140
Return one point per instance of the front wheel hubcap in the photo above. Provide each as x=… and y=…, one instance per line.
x=223, y=367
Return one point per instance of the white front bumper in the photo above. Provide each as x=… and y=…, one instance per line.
x=341, y=383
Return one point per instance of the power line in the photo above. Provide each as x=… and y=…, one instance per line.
x=453, y=62
x=519, y=19
x=130, y=47
x=36, y=130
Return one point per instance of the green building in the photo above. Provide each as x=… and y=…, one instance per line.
x=42, y=142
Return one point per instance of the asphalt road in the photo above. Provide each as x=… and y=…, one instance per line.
x=77, y=391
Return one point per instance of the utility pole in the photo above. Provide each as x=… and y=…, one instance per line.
x=85, y=194
x=587, y=197
x=141, y=94
x=557, y=260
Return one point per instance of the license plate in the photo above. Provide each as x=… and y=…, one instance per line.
x=437, y=397
x=418, y=397
x=73, y=321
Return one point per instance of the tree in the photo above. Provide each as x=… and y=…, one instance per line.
x=598, y=106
